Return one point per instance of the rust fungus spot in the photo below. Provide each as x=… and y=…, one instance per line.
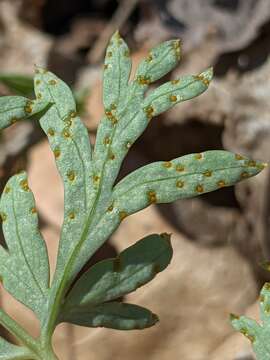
x=71, y=215
x=179, y=167
x=167, y=164
x=52, y=82
x=105, y=66
x=261, y=298
x=143, y=80
x=111, y=156
x=180, y=183
x=234, y=317
x=149, y=57
x=198, y=156
x=175, y=81
x=51, y=132
x=57, y=152
x=96, y=178
x=252, y=163
x=107, y=140
x=244, y=175
x=108, y=113
x=199, y=188
x=66, y=133
x=267, y=309
x=109, y=54
x=39, y=95
x=114, y=120
x=3, y=216
x=110, y=208
x=33, y=210
x=37, y=82
x=267, y=286
x=201, y=78
x=71, y=175
x=149, y=110
x=238, y=157
x=122, y=215
x=221, y=183
x=176, y=46
x=73, y=114
x=126, y=53
x=24, y=185
x=7, y=189
x=173, y=98
x=113, y=106
x=207, y=173
x=152, y=197
x=28, y=107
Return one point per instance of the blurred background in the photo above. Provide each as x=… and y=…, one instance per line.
x=219, y=239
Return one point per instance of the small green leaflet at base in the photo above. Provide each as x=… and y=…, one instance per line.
x=18, y=83
x=113, y=315
x=258, y=334
x=110, y=279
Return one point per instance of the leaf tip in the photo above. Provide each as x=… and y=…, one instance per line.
x=206, y=76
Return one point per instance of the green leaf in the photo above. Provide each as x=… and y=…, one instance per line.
x=259, y=335
x=19, y=84
x=24, y=266
x=16, y=108
x=69, y=141
x=9, y=351
x=127, y=113
x=175, y=91
x=113, y=278
x=160, y=60
x=114, y=315
x=116, y=73
x=188, y=176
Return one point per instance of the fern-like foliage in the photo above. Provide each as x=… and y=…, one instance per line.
x=258, y=334
x=94, y=205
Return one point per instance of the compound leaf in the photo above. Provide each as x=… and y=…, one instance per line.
x=114, y=315
x=24, y=266
x=113, y=278
x=258, y=334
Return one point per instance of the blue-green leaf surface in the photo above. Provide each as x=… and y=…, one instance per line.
x=188, y=176
x=9, y=351
x=113, y=278
x=114, y=315
x=258, y=334
x=24, y=265
x=70, y=144
x=16, y=108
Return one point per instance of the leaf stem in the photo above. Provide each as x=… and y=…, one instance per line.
x=15, y=329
